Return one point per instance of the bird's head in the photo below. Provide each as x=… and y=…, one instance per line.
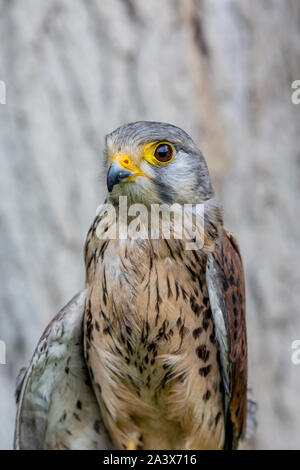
x=153, y=162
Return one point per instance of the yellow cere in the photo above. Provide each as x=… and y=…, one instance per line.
x=149, y=153
x=124, y=161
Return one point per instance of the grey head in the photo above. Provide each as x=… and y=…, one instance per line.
x=155, y=162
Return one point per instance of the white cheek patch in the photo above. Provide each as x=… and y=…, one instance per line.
x=148, y=169
x=180, y=176
x=176, y=171
x=180, y=166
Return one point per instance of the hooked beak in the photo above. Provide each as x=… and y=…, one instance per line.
x=121, y=170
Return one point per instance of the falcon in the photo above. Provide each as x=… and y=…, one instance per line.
x=160, y=360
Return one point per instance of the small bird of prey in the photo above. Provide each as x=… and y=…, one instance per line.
x=161, y=361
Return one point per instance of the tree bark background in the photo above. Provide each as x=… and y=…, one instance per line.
x=222, y=71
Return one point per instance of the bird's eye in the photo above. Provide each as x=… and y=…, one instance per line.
x=164, y=153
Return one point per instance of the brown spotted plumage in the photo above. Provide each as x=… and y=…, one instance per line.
x=166, y=372
x=164, y=364
x=154, y=351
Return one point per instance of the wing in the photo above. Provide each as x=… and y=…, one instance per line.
x=57, y=408
x=226, y=288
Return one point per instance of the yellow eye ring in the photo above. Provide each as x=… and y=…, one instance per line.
x=159, y=153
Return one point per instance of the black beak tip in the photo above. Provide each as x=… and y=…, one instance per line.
x=116, y=176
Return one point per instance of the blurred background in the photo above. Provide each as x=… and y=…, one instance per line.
x=222, y=71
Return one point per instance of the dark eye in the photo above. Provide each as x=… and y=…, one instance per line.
x=163, y=153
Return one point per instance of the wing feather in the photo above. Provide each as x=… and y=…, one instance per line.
x=226, y=287
x=57, y=408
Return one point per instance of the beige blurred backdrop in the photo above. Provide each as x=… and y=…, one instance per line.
x=222, y=70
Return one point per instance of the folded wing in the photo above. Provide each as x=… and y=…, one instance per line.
x=226, y=287
x=57, y=408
